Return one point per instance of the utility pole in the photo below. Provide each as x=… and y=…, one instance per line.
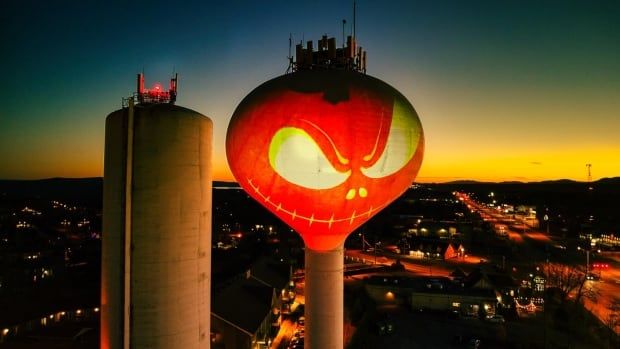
x=375, y=250
x=589, y=170
x=363, y=241
x=587, y=250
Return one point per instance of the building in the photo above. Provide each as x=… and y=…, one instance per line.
x=434, y=249
x=244, y=314
x=502, y=284
x=278, y=275
x=468, y=302
x=156, y=239
x=247, y=311
x=431, y=293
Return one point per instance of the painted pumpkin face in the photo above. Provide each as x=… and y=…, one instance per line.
x=325, y=151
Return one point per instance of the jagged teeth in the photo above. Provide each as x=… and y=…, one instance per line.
x=310, y=219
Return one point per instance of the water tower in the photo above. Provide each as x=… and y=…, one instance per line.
x=325, y=147
x=156, y=243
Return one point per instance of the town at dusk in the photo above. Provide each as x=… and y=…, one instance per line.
x=315, y=174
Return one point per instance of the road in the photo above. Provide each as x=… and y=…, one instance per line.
x=423, y=267
x=289, y=324
x=607, y=294
x=287, y=327
x=600, y=295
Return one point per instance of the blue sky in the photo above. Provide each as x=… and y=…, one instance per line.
x=505, y=90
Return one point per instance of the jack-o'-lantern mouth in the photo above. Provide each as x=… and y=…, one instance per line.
x=312, y=219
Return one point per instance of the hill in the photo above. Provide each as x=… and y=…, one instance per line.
x=84, y=191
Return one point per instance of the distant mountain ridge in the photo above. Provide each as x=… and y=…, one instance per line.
x=611, y=180
x=89, y=191
x=85, y=191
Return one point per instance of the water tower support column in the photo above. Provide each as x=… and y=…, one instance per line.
x=324, y=293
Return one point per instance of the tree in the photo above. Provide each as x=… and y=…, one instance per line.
x=612, y=321
x=568, y=279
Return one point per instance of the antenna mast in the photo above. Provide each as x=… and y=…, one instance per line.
x=353, y=19
x=344, y=21
x=349, y=57
x=290, y=54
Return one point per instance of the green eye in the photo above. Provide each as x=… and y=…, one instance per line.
x=296, y=157
x=401, y=143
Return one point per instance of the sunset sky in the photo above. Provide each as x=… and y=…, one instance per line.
x=506, y=90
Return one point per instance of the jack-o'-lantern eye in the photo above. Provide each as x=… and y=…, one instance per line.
x=400, y=146
x=295, y=156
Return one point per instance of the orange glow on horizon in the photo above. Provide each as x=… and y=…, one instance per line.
x=514, y=165
x=467, y=162
x=549, y=165
x=436, y=168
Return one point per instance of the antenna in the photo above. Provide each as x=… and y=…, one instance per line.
x=174, y=84
x=140, y=86
x=156, y=94
x=353, y=19
x=290, y=54
x=344, y=21
x=348, y=57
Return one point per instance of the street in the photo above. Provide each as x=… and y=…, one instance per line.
x=599, y=295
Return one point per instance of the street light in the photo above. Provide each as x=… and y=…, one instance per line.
x=375, y=249
x=587, y=250
x=587, y=257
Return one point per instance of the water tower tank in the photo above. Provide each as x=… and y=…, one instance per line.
x=156, y=249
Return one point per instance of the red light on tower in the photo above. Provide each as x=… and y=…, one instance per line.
x=157, y=94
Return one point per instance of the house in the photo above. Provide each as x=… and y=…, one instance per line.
x=246, y=313
x=242, y=315
x=277, y=275
x=439, y=250
x=504, y=285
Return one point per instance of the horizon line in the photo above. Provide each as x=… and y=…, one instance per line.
x=453, y=180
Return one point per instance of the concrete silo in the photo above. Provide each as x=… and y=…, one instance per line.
x=156, y=248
